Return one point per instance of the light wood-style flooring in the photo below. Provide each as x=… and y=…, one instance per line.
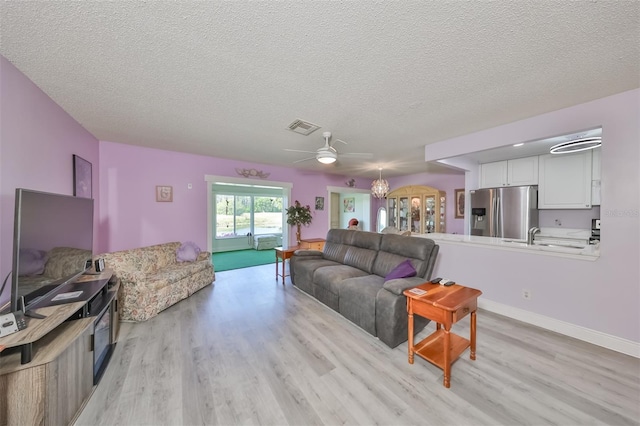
x=249, y=350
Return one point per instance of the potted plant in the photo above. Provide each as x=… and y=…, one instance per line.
x=298, y=215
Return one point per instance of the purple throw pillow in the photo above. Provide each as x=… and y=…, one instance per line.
x=403, y=270
x=31, y=262
x=187, y=252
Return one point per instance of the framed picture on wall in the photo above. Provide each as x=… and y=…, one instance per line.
x=319, y=203
x=164, y=194
x=82, y=179
x=459, y=203
x=349, y=205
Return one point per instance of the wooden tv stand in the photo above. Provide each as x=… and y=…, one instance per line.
x=57, y=380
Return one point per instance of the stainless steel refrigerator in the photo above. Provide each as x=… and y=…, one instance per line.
x=507, y=212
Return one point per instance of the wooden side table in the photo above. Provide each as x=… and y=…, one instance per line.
x=284, y=254
x=445, y=306
x=313, y=243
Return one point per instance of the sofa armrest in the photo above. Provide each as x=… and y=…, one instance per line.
x=399, y=285
x=308, y=253
x=204, y=255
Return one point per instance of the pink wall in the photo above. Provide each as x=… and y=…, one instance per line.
x=131, y=217
x=37, y=141
x=443, y=182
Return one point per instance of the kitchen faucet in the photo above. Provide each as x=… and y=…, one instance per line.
x=531, y=234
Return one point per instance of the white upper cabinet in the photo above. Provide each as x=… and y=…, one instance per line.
x=595, y=178
x=493, y=174
x=565, y=181
x=595, y=168
x=521, y=171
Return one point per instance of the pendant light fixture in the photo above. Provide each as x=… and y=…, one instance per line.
x=379, y=187
x=576, y=145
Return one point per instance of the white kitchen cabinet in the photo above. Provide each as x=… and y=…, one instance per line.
x=517, y=172
x=493, y=174
x=595, y=177
x=595, y=164
x=565, y=181
x=522, y=171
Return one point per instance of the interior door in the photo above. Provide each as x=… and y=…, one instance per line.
x=334, y=220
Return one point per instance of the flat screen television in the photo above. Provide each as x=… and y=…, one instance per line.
x=52, y=245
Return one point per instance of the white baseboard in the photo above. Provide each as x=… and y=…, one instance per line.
x=608, y=341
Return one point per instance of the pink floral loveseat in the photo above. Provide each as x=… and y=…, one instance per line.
x=151, y=278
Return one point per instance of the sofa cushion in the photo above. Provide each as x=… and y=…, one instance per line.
x=363, y=251
x=187, y=252
x=144, y=259
x=167, y=276
x=386, y=262
x=32, y=261
x=330, y=277
x=337, y=243
x=62, y=261
x=367, y=240
x=395, y=248
x=358, y=300
x=403, y=270
x=360, y=258
x=302, y=271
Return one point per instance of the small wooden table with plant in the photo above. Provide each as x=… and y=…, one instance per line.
x=298, y=215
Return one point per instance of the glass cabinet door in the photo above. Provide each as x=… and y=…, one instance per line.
x=393, y=212
x=415, y=215
x=429, y=214
x=442, y=227
x=419, y=209
x=404, y=214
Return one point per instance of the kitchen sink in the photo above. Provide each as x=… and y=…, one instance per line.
x=549, y=245
x=560, y=246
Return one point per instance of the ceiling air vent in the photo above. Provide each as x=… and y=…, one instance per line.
x=303, y=127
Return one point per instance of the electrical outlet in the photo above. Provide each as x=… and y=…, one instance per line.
x=189, y=186
x=526, y=294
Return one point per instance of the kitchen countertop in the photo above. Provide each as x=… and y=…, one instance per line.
x=560, y=249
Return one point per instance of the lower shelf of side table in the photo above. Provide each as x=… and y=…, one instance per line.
x=432, y=347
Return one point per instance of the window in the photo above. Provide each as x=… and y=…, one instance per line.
x=267, y=213
x=241, y=215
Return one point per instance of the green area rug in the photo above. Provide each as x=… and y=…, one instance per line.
x=227, y=260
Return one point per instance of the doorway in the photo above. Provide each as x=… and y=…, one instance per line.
x=240, y=209
x=349, y=203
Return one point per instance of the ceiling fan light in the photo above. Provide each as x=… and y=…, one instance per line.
x=326, y=157
x=576, y=145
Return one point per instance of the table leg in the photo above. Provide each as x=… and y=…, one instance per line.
x=284, y=260
x=473, y=335
x=447, y=356
x=410, y=327
x=277, y=258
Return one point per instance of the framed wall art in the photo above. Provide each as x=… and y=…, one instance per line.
x=82, y=179
x=319, y=203
x=459, y=203
x=349, y=205
x=164, y=194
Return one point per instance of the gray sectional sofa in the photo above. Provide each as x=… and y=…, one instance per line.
x=349, y=277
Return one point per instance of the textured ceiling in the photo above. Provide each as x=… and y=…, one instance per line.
x=226, y=78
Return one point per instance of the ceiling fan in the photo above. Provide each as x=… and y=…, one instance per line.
x=328, y=154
